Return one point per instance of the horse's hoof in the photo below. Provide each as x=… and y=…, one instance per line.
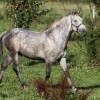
x=74, y=90
x=25, y=88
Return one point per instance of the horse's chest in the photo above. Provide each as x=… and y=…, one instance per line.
x=54, y=53
x=53, y=50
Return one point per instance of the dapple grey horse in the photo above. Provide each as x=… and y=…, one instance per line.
x=49, y=45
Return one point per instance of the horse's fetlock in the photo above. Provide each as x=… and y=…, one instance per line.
x=47, y=77
x=24, y=85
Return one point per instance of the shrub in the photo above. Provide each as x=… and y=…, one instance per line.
x=59, y=91
x=93, y=41
x=23, y=12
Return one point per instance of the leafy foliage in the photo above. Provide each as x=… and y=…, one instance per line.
x=96, y=2
x=93, y=41
x=23, y=12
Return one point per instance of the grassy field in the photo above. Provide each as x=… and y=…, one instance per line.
x=83, y=76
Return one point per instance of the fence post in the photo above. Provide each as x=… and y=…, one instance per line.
x=93, y=12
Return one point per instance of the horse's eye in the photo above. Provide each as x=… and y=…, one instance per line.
x=75, y=20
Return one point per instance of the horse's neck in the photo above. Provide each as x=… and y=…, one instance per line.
x=62, y=31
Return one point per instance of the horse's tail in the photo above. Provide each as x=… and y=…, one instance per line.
x=1, y=43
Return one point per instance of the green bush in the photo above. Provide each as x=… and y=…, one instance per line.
x=23, y=12
x=93, y=41
x=96, y=2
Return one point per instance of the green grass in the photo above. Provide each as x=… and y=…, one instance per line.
x=82, y=76
x=10, y=89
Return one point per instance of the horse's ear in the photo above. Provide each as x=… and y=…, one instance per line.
x=79, y=12
x=73, y=12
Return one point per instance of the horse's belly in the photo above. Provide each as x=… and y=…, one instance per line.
x=31, y=52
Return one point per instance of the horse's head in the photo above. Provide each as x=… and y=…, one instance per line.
x=77, y=23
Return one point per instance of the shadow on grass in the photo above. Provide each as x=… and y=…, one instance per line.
x=39, y=61
x=34, y=62
x=89, y=87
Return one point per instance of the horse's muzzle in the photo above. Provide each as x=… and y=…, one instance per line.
x=84, y=31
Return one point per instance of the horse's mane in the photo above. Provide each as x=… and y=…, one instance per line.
x=49, y=29
x=52, y=26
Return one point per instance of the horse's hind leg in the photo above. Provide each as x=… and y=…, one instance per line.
x=4, y=66
x=16, y=69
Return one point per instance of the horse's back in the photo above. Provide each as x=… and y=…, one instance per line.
x=30, y=44
x=26, y=42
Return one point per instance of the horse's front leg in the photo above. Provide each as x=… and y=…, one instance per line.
x=48, y=69
x=67, y=74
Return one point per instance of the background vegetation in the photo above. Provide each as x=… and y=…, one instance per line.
x=83, y=57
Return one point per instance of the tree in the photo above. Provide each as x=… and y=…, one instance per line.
x=23, y=12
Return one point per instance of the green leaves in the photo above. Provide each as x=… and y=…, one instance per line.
x=96, y=2
x=23, y=12
x=93, y=42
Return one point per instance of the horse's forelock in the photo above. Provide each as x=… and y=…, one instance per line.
x=75, y=13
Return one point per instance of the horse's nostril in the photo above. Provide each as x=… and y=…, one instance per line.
x=84, y=31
